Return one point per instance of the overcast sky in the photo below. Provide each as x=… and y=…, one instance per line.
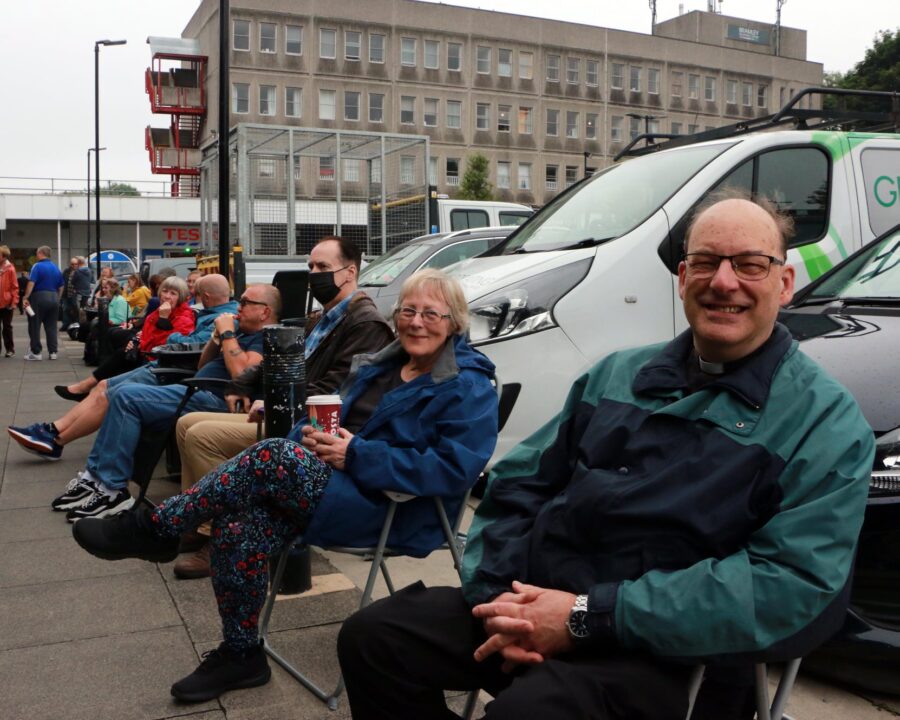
x=46, y=52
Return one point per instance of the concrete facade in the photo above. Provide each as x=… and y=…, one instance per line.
x=542, y=99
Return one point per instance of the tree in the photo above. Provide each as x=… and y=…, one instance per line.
x=475, y=185
x=116, y=188
x=878, y=70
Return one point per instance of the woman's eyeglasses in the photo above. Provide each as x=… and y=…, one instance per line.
x=429, y=317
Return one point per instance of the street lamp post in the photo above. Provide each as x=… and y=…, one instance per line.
x=647, y=120
x=97, y=45
x=87, y=231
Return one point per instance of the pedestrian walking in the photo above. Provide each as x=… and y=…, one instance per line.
x=23, y=283
x=42, y=296
x=9, y=298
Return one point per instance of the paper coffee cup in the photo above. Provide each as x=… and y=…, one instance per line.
x=324, y=412
x=29, y=311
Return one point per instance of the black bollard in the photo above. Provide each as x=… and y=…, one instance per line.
x=284, y=383
x=102, y=328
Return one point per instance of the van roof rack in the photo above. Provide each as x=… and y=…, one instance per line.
x=831, y=118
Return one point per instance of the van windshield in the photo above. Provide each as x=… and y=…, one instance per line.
x=613, y=202
x=383, y=270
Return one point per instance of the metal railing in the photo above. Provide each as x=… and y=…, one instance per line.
x=76, y=186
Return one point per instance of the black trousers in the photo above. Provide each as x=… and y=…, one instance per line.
x=399, y=654
x=6, y=318
x=46, y=312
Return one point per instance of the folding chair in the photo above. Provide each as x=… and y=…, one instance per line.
x=764, y=711
x=452, y=540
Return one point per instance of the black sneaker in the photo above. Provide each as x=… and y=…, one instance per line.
x=223, y=669
x=101, y=505
x=77, y=493
x=126, y=535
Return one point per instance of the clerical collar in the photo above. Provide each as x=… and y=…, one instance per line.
x=711, y=368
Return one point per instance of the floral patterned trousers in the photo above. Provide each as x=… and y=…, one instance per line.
x=258, y=501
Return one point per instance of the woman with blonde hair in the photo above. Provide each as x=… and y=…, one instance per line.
x=137, y=295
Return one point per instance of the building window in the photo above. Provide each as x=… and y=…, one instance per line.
x=375, y=171
x=408, y=51
x=298, y=171
x=266, y=99
x=526, y=121
x=503, y=112
x=241, y=35
x=634, y=78
x=327, y=44
x=483, y=60
x=292, y=101
x=454, y=56
x=265, y=168
x=551, y=177
x=571, y=175
x=293, y=40
x=452, y=171
x=524, y=176
x=762, y=93
x=615, y=129
x=653, y=81
x=407, y=169
x=573, y=70
x=240, y=97
x=483, y=116
x=504, y=62
x=571, y=124
x=503, y=175
x=430, y=113
x=676, y=128
x=407, y=110
x=454, y=114
x=617, y=76
x=326, y=104
x=590, y=126
x=677, y=83
x=351, y=105
x=693, y=129
x=553, y=68
x=653, y=127
x=552, y=129
x=592, y=73
x=432, y=171
x=352, y=45
x=376, y=48
x=432, y=51
x=376, y=107
x=693, y=87
x=350, y=170
x=326, y=168
x=731, y=92
x=267, y=42
x=746, y=94
x=526, y=65
x=634, y=128
x=709, y=89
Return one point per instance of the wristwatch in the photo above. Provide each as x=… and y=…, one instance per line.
x=228, y=335
x=577, y=623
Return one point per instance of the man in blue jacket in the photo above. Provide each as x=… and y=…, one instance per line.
x=694, y=501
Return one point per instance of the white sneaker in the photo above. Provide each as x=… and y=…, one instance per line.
x=53, y=356
x=31, y=356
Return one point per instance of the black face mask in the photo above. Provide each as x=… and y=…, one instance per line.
x=323, y=287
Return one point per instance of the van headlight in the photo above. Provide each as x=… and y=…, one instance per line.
x=523, y=307
x=886, y=469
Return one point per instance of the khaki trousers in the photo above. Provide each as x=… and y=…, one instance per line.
x=207, y=439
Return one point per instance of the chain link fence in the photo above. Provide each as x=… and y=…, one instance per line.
x=292, y=186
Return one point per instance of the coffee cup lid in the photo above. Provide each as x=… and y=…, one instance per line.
x=323, y=400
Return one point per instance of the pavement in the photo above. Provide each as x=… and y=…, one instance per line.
x=81, y=638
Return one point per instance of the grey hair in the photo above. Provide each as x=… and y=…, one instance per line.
x=176, y=284
x=440, y=284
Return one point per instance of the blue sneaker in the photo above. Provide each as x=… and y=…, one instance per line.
x=39, y=439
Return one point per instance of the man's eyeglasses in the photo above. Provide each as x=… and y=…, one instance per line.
x=747, y=266
x=244, y=302
x=429, y=317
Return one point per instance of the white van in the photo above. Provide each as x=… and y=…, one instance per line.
x=465, y=214
x=595, y=270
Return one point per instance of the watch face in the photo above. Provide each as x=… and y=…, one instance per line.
x=577, y=624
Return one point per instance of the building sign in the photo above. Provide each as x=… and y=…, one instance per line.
x=746, y=34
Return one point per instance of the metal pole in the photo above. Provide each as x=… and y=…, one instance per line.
x=87, y=196
x=224, y=117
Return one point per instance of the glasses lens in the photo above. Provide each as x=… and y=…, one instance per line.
x=701, y=266
x=751, y=267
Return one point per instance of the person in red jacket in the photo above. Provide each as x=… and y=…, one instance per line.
x=9, y=298
x=174, y=315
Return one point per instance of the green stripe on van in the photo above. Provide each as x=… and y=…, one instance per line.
x=836, y=237
x=834, y=142
x=817, y=262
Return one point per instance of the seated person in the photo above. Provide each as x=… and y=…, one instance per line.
x=137, y=295
x=118, y=305
x=419, y=417
x=694, y=501
x=349, y=325
x=174, y=315
x=101, y=489
x=48, y=439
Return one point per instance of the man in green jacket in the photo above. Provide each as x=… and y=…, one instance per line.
x=697, y=501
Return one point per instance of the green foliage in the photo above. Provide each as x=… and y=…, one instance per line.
x=475, y=185
x=878, y=70
x=120, y=189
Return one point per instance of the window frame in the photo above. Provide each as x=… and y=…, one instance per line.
x=587, y=124
x=572, y=129
x=347, y=45
x=504, y=68
x=405, y=49
x=435, y=103
x=450, y=105
x=379, y=106
x=693, y=86
x=653, y=81
x=595, y=73
x=323, y=32
x=482, y=58
x=634, y=78
x=287, y=29
x=507, y=166
x=235, y=98
x=709, y=88
x=525, y=118
x=403, y=100
x=458, y=58
x=437, y=54
x=377, y=47
x=270, y=100
x=547, y=123
x=324, y=92
x=235, y=35
x=483, y=116
x=500, y=115
x=297, y=103
x=347, y=95
x=523, y=65
x=523, y=172
x=274, y=49
x=573, y=70
x=617, y=76
x=553, y=65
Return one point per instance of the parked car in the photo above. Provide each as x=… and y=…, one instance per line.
x=849, y=322
x=383, y=277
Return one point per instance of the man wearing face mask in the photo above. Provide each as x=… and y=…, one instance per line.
x=348, y=325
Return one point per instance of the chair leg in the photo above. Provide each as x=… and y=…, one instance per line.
x=776, y=711
x=471, y=704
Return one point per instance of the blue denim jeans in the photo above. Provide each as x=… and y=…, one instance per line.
x=133, y=408
x=140, y=375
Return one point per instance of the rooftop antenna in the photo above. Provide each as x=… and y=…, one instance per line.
x=778, y=5
x=652, y=15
